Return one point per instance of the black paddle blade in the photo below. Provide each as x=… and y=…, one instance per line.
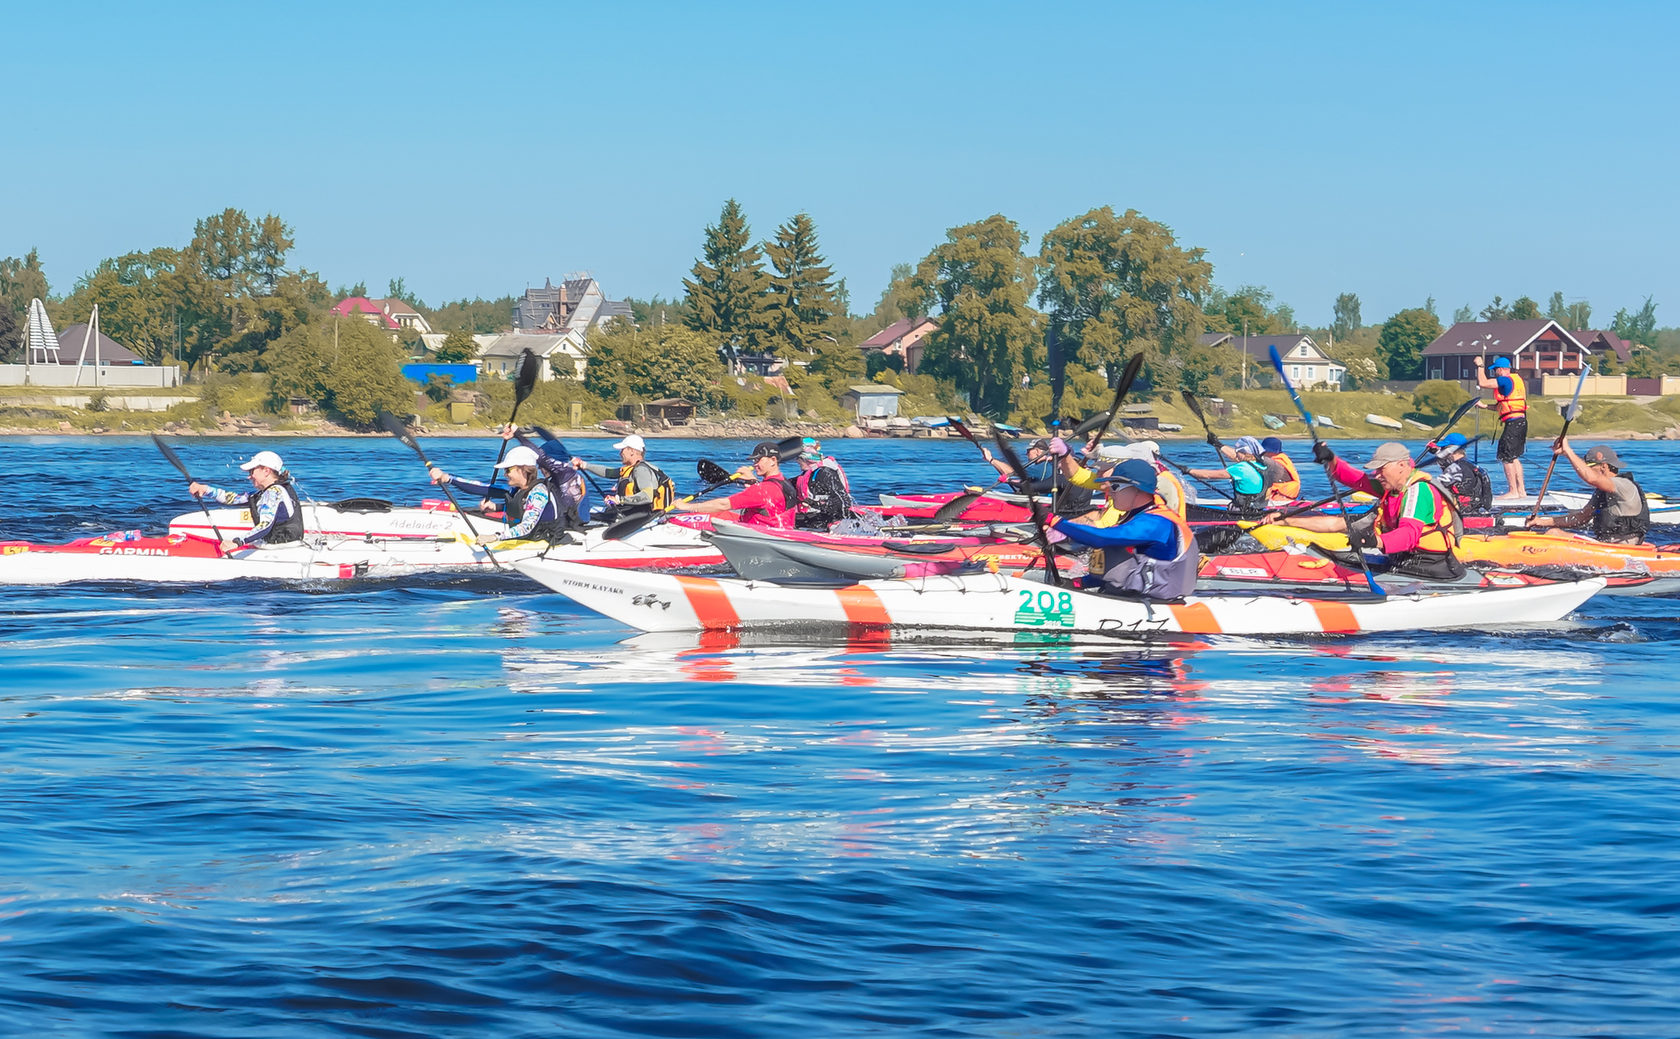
x=1057, y=359
x=1194, y=405
x=956, y=506
x=174, y=459
x=1101, y=418
x=530, y=366
x=394, y=426
x=622, y=528
x=1007, y=450
x=710, y=472
x=961, y=428
x=1127, y=377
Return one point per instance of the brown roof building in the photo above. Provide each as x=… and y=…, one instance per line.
x=1535, y=347
x=903, y=338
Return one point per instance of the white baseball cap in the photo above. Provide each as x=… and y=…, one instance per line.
x=633, y=440
x=266, y=459
x=520, y=455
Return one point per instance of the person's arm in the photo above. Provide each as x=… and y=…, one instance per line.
x=269, y=507
x=1482, y=379
x=222, y=497
x=609, y=471
x=1154, y=536
x=1207, y=474
x=1358, y=479
x=1083, y=477
x=481, y=490
x=999, y=464
x=758, y=495
x=1581, y=517
x=1598, y=479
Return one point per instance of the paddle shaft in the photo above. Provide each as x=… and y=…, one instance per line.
x=528, y=366
x=1329, y=470
x=1195, y=407
x=1435, y=441
x=1568, y=417
x=175, y=460
x=395, y=428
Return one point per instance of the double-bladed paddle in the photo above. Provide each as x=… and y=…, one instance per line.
x=175, y=460
x=1434, y=441
x=1213, y=440
x=530, y=366
x=714, y=475
x=1329, y=468
x=1569, y=414
x=1124, y=386
x=1039, y=531
x=394, y=426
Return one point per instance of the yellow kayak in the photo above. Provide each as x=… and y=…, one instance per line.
x=1513, y=548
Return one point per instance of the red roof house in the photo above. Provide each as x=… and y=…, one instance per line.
x=368, y=309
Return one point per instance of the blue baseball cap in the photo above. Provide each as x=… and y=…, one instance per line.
x=1272, y=445
x=1500, y=362
x=1133, y=471
x=1452, y=440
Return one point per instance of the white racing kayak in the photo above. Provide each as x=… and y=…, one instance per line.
x=178, y=558
x=353, y=517
x=995, y=603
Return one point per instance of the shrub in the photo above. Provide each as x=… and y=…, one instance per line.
x=1434, y=400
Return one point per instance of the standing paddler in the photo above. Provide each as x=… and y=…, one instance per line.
x=276, y=514
x=1510, y=403
x=1411, y=522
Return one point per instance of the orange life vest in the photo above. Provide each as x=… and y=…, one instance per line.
x=1515, y=405
x=1290, y=489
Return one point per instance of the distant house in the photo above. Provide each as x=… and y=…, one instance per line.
x=74, y=344
x=575, y=305
x=368, y=310
x=1537, y=347
x=403, y=314
x=902, y=338
x=1306, y=365
x=1601, y=343
x=562, y=355
x=871, y=401
x=668, y=412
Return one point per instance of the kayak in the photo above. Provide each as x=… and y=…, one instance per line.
x=1662, y=510
x=991, y=507
x=1513, y=548
x=998, y=603
x=182, y=558
x=353, y=517
x=801, y=555
x=1309, y=572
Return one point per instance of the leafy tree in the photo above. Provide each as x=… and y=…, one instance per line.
x=396, y=288
x=1580, y=315
x=1524, y=309
x=222, y=245
x=11, y=337
x=140, y=297
x=1346, y=319
x=627, y=363
x=802, y=301
x=473, y=315
x=658, y=311
x=1402, y=339
x=266, y=261
x=1637, y=328
x=880, y=361
x=365, y=375
x=21, y=279
x=981, y=282
x=727, y=294
x=458, y=348
x=1436, y=399
x=1115, y=286
x=1203, y=371
x=1496, y=311
x=1556, y=310
x=1250, y=308
x=839, y=365
x=438, y=386
x=1362, y=357
x=298, y=363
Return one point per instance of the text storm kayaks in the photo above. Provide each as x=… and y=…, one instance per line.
x=991, y=602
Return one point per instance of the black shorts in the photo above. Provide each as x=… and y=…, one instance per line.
x=1512, y=438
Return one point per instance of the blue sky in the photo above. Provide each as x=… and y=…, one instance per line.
x=1397, y=151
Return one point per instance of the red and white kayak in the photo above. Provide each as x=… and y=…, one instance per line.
x=354, y=517
x=996, y=603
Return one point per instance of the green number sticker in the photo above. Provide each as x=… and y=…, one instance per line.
x=1044, y=608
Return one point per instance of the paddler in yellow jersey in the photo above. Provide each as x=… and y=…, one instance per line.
x=1412, y=520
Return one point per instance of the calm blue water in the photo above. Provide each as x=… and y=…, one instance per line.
x=467, y=808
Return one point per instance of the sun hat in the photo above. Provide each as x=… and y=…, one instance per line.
x=765, y=449
x=1271, y=446
x=1134, y=472
x=266, y=459
x=519, y=455
x=1249, y=445
x=633, y=440
x=1386, y=453
x=1606, y=455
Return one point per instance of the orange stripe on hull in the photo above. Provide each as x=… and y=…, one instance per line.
x=1195, y=618
x=1334, y=616
x=709, y=601
x=862, y=606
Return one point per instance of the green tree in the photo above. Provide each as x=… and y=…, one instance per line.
x=802, y=303
x=1436, y=399
x=627, y=363
x=458, y=347
x=981, y=283
x=1524, y=309
x=396, y=288
x=21, y=279
x=140, y=297
x=726, y=296
x=298, y=363
x=1580, y=316
x=1638, y=327
x=266, y=260
x=1402, y=339
x=1496, y=311
x=1557, y=310
x=1247, y=309
x=222, y=246
x=839, y=365
x=1463, y=313
x=364, y=375
x=1346, y=320
x=473, y=315
x=1117, y=285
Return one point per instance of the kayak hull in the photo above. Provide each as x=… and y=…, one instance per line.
x=784, y=555
x=997, y=603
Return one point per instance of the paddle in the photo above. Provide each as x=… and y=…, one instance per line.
x=1213, y=440
x=547, y=435
x=175, y=460
x=1057, y=361
x=1221, y=492
x=1127, y=377
x=1434, y=441
x=713, y=474
x=1040, y=533
x=394, y=426
x=529, y=367
x=1569, y=414
x=1329, y=467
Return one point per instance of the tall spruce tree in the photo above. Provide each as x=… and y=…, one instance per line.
x=802, y=301
x=728, y=291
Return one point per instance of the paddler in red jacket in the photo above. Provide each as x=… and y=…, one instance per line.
x=770, y=501
x=1413, y=523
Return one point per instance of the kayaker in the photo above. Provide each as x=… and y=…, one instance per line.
x=1283, y=480
x=769, y=500
x=276, y=514
x=1510, y=403
x=1247, y=475
x=532, y=507
x=1617, y=512
x=1168, y=487
x=567, y=483
x=1068, y=483
x=1412, y=522
x=825, y=496
x=1150, y=552
x=1463, y=479
x=642, y=487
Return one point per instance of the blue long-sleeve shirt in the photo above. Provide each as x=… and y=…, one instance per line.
x=1152, y=535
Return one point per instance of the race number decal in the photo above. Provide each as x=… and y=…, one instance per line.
x=1044, y=608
